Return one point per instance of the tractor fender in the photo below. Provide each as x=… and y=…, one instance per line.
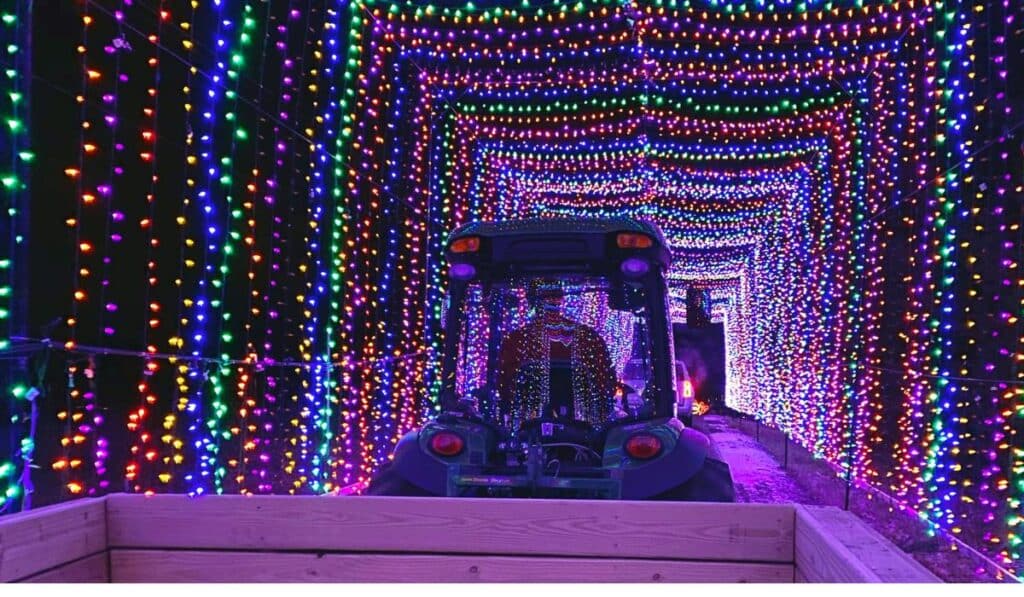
x=668, y=471
x=419, y=468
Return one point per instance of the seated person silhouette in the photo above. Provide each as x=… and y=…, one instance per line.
x=554, y=366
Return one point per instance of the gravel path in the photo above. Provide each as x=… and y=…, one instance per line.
x=756, y=474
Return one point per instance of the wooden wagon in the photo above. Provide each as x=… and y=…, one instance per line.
x=173, y=538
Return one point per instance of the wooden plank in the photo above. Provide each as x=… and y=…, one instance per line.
x=90, y=569
x=798, y=576
x=34, y=541
x=161, y=566
x=879, y=555
x=660, y=530
x=836, y=546
x=821, y=557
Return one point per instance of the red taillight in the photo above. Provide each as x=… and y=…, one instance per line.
x=466, y=244
x=446, y=443
x=631, y=240
x=687, y=389
x=643, y=446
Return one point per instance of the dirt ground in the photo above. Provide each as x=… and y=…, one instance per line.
x=760, y=477
x=757, y=476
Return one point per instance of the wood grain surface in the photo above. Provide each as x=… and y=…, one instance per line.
x=35, y=541
x=625, y=529
x=821, y=557
x=798, y=576
x=859, y=550
x=90, y=569
x=226, y=566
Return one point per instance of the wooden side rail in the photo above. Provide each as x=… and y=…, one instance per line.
x=231, y=566
x=173, y=538
x=432, y=539
x=64, y=543
x=833, y=545
x=735, y=532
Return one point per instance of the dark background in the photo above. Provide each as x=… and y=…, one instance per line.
x=703, y=350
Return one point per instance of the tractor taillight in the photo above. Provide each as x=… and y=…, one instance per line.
x=447, y=443
x=643, y=446
x=632, y=240
x=466, y=244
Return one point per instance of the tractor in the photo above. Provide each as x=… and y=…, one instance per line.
x=557, y=373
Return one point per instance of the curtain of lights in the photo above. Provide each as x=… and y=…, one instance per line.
x=17, y=409
x=261, y=191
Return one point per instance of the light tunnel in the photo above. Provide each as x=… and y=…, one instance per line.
x=228, y=222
